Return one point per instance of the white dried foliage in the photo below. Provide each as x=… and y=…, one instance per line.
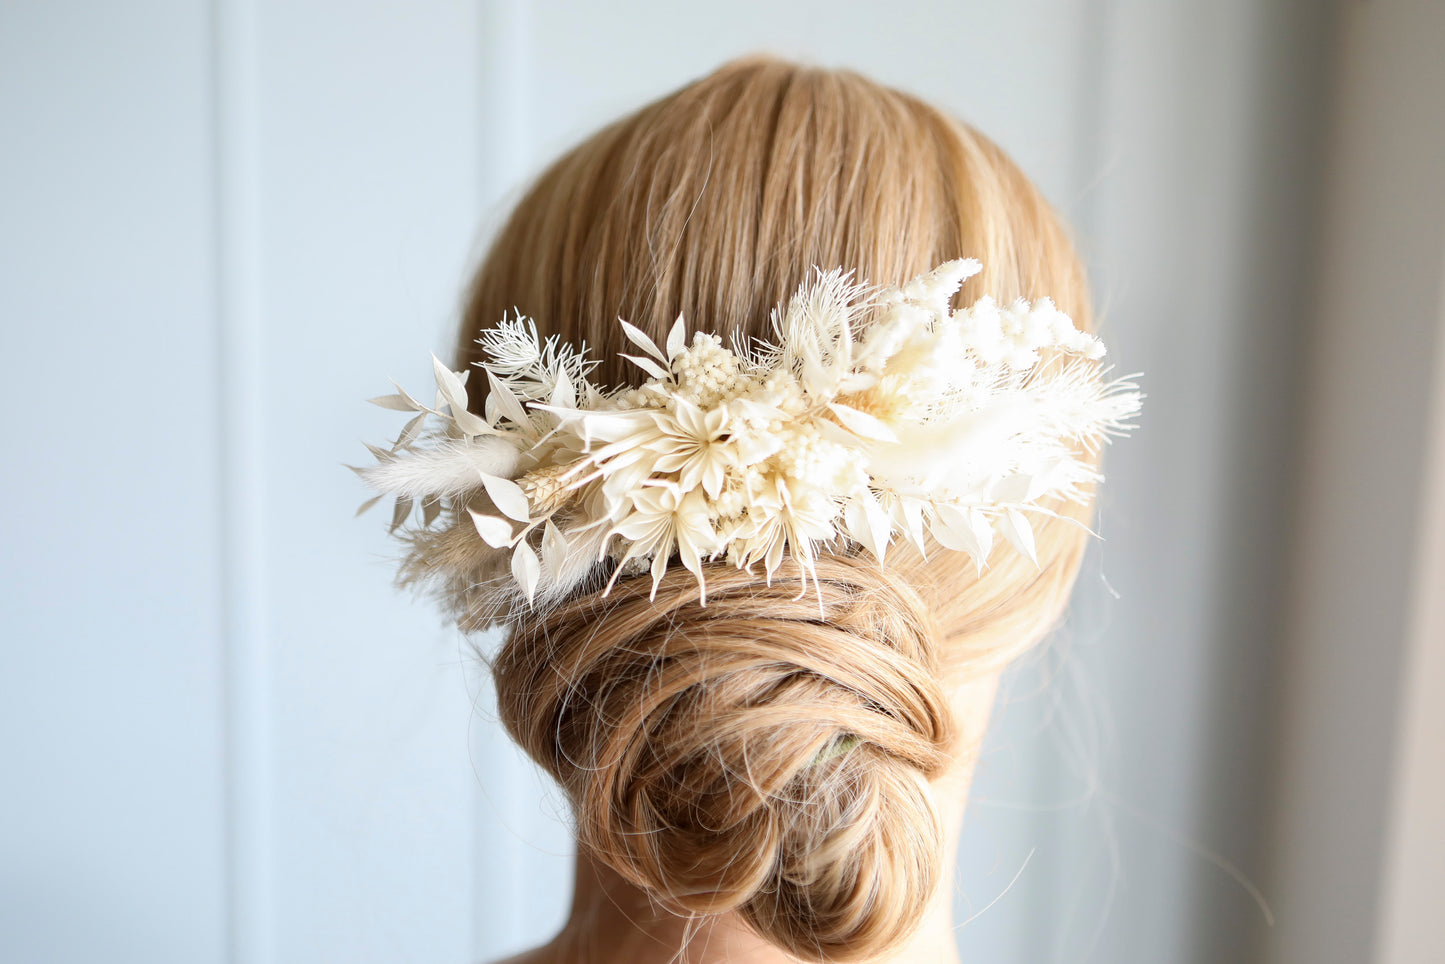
x=875, y=415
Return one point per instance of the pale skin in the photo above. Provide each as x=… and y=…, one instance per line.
x=613, y=922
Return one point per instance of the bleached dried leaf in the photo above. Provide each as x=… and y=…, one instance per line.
x=862, y=423
x=1013, y=488
x=879, y=525
x=1016, y=528
x=676, y=339
x=982, y=531
x=913, y=515
x=554, y=548
x=639, y=338
x=400, y=512
x=415, y=405
x=526, y=569
x=648, y=365
x=396, y=403
x=868, y=524
x=563, y=395
x=833, y=432
x=507, y=496
x=508, y=404
x=954, y=529
x=410, y=431
x=449, y=384
x=430, y=510
x=495, y=532
x=368, y=503
x=471, y=425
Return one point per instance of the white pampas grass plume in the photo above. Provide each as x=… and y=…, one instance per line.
x=448, y=469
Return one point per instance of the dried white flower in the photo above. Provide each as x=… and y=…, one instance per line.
x=877, y=415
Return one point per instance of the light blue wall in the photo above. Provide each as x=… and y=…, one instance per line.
x=112, y=697
x=225, y=225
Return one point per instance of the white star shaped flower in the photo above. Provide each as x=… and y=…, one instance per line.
x=693, y=444
x=664, y=517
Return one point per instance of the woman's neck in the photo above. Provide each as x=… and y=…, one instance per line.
x=615, y=922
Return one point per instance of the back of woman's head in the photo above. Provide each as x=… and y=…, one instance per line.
x=764, y=753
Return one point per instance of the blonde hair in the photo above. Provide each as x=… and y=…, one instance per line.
x=760, y=754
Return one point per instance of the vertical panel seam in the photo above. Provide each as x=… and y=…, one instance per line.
x=1099, y=26
x=249, y=931
x=502, y=154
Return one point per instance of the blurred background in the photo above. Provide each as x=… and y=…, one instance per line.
x=223, y=225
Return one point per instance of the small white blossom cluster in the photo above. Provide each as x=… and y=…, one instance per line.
x=875, y=415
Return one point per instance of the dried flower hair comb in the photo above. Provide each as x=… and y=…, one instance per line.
x=876, y=414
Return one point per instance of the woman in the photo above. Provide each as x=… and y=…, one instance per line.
x=763, y=705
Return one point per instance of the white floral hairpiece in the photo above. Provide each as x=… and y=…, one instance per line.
x=875, y=414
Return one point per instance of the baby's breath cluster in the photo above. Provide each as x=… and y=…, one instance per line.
x=875, y=415
x=706, y=373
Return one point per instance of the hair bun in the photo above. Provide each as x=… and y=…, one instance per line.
x=757, y=754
